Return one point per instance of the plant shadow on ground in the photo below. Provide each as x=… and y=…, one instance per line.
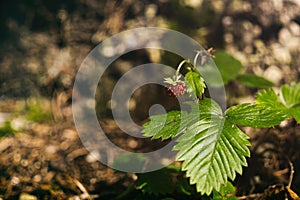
x=58, y=167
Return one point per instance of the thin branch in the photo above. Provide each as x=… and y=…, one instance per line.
x=291, y=174
x=180, y=65
x=252, y=196
x=196, y=57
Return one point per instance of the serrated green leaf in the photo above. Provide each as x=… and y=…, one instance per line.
x=254, y=81
x=295, y=112
x=212, y=150
x=205, y=108
x=170, y=124
x=256, y=115
x=268, y=97
x=228, y=66
x=291, y=94
x=164, y=126
x=196, y=85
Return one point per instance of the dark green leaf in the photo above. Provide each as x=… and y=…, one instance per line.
x=228, y=66
x=156, y=182
x=225, y=192
x=256, y=115
x=253, y=81
x=195, y=84
x=125, y=160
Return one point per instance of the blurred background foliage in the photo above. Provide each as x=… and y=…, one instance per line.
x=44, y=42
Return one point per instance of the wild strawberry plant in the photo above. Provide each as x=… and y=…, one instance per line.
x=210, y=143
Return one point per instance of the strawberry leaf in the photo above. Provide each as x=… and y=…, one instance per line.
x=256, y=115
x=212, y=151
x=291, y=94
x=195, y=84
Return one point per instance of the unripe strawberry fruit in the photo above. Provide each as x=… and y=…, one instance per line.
x=176, y=90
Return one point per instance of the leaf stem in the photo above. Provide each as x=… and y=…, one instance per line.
x=195, y=58
x=180, y=65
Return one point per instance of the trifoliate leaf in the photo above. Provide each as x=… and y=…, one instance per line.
x=212, y=150
x=228, y=66
x=256, y=115
x=254, y=81
x=195, y=84
x=291, y=94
